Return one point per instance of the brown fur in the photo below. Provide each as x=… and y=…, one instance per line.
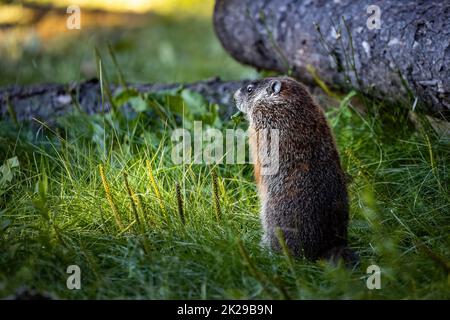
x=307, y=197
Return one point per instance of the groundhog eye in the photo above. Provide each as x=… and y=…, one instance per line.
x=249, y=88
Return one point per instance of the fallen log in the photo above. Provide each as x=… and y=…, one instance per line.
x=405, y=54
x=46, y=102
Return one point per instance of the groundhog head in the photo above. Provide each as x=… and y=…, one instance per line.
x=256, y=92
x=276, y=99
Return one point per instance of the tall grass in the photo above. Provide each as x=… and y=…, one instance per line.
x=105, y=195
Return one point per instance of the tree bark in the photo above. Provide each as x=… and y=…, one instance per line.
x=408, y=57
x=48, y=101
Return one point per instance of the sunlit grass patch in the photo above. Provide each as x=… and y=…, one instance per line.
x=193, y=230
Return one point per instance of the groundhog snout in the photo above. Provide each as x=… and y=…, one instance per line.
x=235, y=96
x=237, y=100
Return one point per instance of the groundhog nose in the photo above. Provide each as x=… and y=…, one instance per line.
x=235, y=96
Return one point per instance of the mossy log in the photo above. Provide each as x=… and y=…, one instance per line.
x=45, y=102
x=404, y=55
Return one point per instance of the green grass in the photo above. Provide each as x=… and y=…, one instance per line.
x=55, y=212
x=164, y=49
x=132, y=243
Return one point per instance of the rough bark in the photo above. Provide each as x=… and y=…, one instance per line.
x=48, y=101
x=408, y=57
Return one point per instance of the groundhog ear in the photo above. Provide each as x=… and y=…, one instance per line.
x=274, y=87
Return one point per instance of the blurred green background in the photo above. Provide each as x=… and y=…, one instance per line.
x=153, y=40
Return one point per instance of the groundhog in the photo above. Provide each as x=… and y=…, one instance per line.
x=306, y=197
